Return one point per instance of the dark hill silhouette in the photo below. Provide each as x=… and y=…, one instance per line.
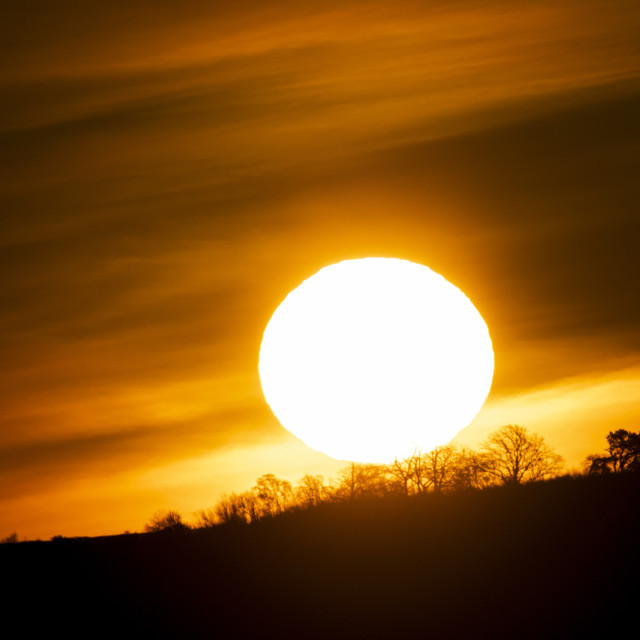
x=543, y=560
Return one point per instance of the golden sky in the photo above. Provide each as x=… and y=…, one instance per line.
x=172, y=170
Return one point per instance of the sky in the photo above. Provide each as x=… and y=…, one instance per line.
x=170, y=171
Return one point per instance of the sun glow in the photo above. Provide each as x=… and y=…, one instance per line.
x=369, y=359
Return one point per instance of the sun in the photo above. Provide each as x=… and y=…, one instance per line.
x=369, y=359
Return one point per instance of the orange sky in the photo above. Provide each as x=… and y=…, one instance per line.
x=172, y=171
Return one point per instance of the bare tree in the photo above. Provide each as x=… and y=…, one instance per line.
x=230, y=509
x=274, y=494
x=513, y=455
x=440, y=466
x=206, y=518
x=443, y=468
x=358, y=480
x=410, y=475
x=312, y=491
x=401, y=474
x=470, y=472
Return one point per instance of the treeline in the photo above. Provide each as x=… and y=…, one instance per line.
x=510, y=455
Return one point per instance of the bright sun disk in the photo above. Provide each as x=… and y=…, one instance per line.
x=369, y=359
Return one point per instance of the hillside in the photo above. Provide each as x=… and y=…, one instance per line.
x=554, y=559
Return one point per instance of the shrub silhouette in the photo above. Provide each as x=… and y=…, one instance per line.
x=165, y=521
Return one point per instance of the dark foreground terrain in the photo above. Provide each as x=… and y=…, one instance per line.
x=556, y=559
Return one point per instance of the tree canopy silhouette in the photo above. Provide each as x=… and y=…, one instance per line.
x=623, y=449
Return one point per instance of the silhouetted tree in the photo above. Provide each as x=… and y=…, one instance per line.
x=513, y=455
x=401, y=474
x=440, y=466
x=235, y=508
x=358, y=480
x=470, y=472
x=207, y=518
x=165, y=521
x=12, y=538
x=229, y=509
x=445, y=468
x=274, y=494
x=598, y=465
x=250, y=506
x=623, y=449
x=312, y=491
x=409, y=475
